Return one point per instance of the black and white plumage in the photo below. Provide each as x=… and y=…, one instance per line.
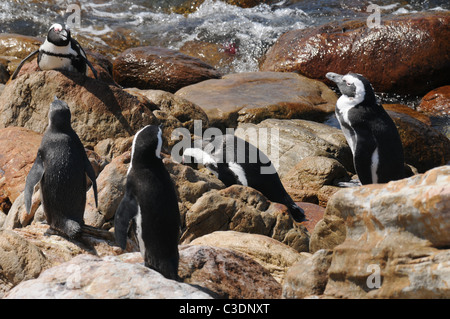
x=60, y=52
x=61, y=167
x=235, y=161
x=370, y=132
x=151, y=201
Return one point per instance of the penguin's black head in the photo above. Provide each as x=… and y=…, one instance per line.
x=59, y=115
x=147, y=144
x=58, y=35
x=353, y=85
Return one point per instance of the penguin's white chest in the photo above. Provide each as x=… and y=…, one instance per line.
x=139, y=231
x=52, y=62
x=344, y=105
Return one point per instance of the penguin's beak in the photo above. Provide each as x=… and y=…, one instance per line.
x=63, y=34
x=336, y=78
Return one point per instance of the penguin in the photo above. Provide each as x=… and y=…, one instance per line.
x=60, y=52
x=369, y=130
x=235, y=161
x=61, y=167
x=150, y=201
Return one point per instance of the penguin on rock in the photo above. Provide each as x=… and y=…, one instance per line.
x=150, y=201
x=370, y=132
x=235, y=161
x=59, y=52
x=61, y=167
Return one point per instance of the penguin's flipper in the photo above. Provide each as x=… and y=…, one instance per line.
x=363, y=157
x=74, y=43
x=94, y=71
x=91, y=174
x=34, y=177
x=128, y=208
x=19, y=67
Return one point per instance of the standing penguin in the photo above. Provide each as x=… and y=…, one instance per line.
x=61, y=167
x=59, y=52
x=235, y=161
x=370, y=132
x=150, y=199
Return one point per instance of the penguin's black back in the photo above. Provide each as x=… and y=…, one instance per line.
x=375, y=128
x=64, y=180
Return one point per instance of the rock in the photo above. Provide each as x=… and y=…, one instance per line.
x=173, y=112
x=92, y=277
x=290, y=141
x=268, y=252
x=112, y=147
x=243, y=209
x=423, y=147
x=330, y=231
x=407, y=41
x=310, y=175
x=242, y=97
x=19, y=260
x=99, y=110
x=436, y=104
x=59, y=249
x=308, y=276
x=314, y=213
x=213, y=54
x=18, y=149
x=404, y=109
x=227, y=273
x=398, y=234
x=18, y=45
x=160, y=69
x=111, y=189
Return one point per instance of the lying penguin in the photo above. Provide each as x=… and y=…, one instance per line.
x=59, y=52
x=235, y=161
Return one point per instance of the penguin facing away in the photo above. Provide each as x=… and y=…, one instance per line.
x=235, y=161
x=370, y=132
x=151, y=201
x=61, y=167
x=59, y=52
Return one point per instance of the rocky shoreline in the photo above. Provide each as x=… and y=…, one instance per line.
x=235, y=243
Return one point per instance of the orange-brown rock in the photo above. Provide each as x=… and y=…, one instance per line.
x=405, y=54
x=99, y=110
x=159, y=68
x=436, y=102
x=18, y=148
x=255, y=96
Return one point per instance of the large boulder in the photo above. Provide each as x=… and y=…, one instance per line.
x=93, y=277
x=405, y=54
x=254, y=96
x=159, y=69
x=99, y=110
x=398, y=234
